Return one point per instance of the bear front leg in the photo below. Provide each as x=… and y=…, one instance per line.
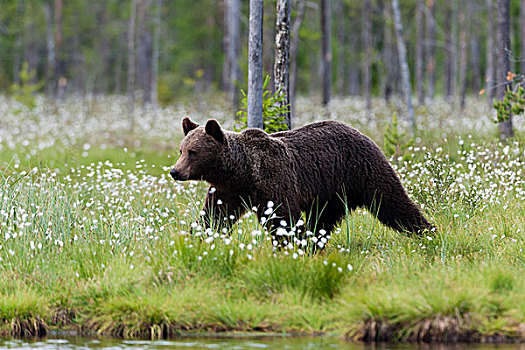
x=222, y=210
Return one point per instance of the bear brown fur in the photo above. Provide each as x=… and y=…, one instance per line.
x=325, y=169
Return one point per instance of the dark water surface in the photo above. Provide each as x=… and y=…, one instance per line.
x=243, y=343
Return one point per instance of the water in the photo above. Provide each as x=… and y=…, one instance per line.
x=244, y=343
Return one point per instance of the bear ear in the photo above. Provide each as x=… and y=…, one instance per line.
x=213, y=129
x=188, y=125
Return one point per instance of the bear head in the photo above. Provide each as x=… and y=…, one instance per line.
x=201, y=151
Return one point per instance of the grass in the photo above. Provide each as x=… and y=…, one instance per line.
x=96, y=238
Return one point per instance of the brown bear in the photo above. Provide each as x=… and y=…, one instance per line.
x=325, y=169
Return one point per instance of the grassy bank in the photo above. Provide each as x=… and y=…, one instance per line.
x=95, y=237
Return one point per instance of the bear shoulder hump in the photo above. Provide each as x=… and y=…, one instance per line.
x=254, y=133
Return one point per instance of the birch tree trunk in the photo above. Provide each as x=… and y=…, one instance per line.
x=17, y=50
x=341, y=34
x=451, y=47
x=473, y=16
x=367, y=40
x=420, y=52
x=326, y=52
x=405, y=72
x=388, y=53
x=489, y=71
x=156, y=51
x=131, y=60
x=144, y=50
x=463, y=54
x=431, y=49
x=255, y=66
x=282, y=55
x=293, y=53
x=50, y=47
x=104, y=72
x=503, y=66
x=522, y=39
x=60, y=66
x=231, y=70
x=235, y=48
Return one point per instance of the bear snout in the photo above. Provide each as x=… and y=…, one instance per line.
x=175, y=175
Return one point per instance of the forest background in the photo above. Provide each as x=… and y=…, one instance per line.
x=162, y=51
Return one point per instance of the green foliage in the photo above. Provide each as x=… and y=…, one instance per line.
x=513, y=103
x=395, y=142
x=24, y=92
x=273, y=110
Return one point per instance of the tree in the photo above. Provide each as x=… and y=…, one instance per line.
x=503, y=67
x=522, y=36
x=489, y=72
x=420, y=51
x=326, y=52
x=341, y=36
x=50, y=46
x=144, y=50
x=389, y=53
x=293, y=53
x=431, y=44
x=156, y=50
x=255, y=65
x=474, y=17
x=367, y=40
x=451, y=48
x=405, y=72
x=282, y=55
x=232, y=41
x=131, y=57
x=60, y=65
x=463, y=54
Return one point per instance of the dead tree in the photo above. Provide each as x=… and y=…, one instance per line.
x=282, y=56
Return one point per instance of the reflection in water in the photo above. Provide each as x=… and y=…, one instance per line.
x=243, y=343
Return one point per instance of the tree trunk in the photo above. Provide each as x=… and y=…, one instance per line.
x=60, y=66
x=463, y=54
x=326, y=52
x=405, y=72
x=156, y=51
x=255, y=65
x=522, y=41
x=489, y=72
x=476, y=70
x=226, y=45
x=293, y=53
x=144, y=51
x=119, y=63
x=367, y=40
x=341, y=33
x=231, y=70
x=268, y=43
x=503, y=67
x=104, y=71
x=50, y=46
x=131, y=60
x=17, y=54
x=388, y=53
x=473, y=15
x=431, y=49
x=451, y=47
x=282, y=55
x=420, y=52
